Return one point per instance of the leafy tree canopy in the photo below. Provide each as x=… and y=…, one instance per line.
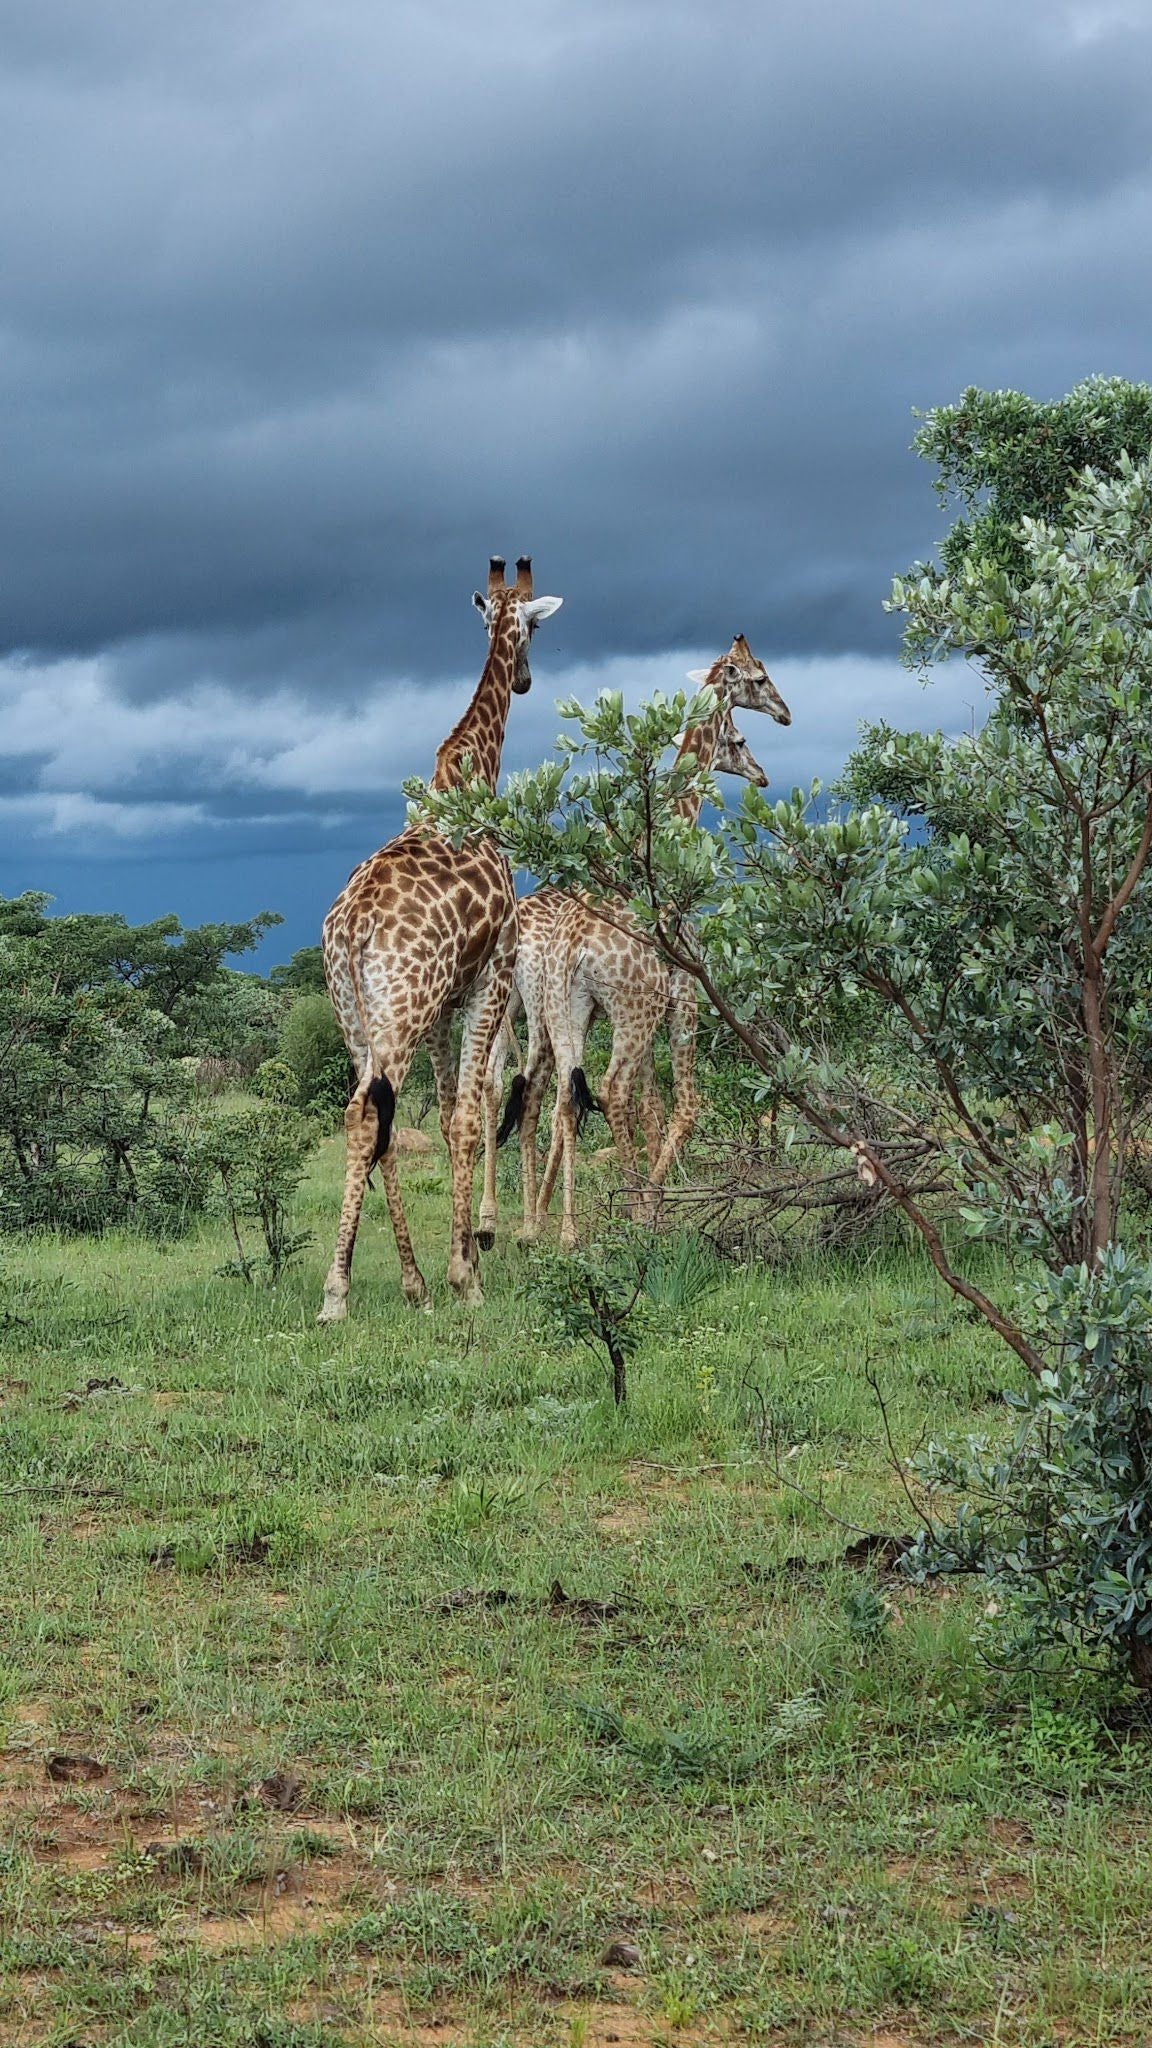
x=1002, y=457
x=304, y=971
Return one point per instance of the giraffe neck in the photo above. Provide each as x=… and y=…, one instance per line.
x=480, y=733
x=699, y=740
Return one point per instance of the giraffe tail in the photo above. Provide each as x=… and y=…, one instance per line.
x=583, y=1101
x=513, y=1109
x=382, y=1096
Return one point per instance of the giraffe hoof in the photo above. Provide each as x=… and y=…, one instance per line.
x=335, y=1310
x=485, y=1239
x=466, y=1287
x=417, y=1295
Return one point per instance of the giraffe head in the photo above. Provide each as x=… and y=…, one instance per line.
x=741, y=679
x=733, y=756
x=512, y=610
x=730, y=753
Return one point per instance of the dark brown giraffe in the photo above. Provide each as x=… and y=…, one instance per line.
x=423, y=930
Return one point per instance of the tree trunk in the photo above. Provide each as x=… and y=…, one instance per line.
x=619, y=1376
x=1140, y=1662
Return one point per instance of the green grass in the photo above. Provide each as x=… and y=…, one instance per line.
x=802, y=1799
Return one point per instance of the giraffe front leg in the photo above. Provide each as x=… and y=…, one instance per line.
x=566, y=1112
x=489, y=1200
x=617, y=1098
x=482, y=1018
x=555, y=1154
x=568, y=1018
x=443, y=1072
x=651, y=1111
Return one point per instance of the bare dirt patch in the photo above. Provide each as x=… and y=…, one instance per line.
x=647, y=1491
x=767, y=1925
x=956, y=1887
x=1012, y=1834
x=627, y=2026
x=396, y=2026
x=295, y=1902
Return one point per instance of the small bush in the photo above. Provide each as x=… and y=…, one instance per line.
x=275, y=1081
x=594, y=1297
x=257, y=1160
x=1059, y=1523
x=312, y=1047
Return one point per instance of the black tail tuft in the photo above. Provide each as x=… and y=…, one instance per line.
x=583, y=1100
x=382, y=1096
x=513, y=1109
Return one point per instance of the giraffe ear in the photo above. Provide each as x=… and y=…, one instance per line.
x=481, y=603
x=699, y=676
x=538, y=608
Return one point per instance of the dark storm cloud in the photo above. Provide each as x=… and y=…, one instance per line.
x=307, y=307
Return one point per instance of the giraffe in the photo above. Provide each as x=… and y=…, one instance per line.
x=424, y=929
x=542, y=921
x=572, y=963
x=607, y=963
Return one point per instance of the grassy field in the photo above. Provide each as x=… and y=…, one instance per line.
x=356, y=1772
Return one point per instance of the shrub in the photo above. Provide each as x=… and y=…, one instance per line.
x=257, y=1160
x=1059, y=1524
x=595, y=1298
x=96, y=1019
x=275, y=1081
x=312, y=1045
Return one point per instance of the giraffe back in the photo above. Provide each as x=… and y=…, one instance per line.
x=411, y=931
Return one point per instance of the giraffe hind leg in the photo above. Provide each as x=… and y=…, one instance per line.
x=370, y=1138
x=537, y=1073
x=483, y=1013
x=504, y=1044
x=682, y=1024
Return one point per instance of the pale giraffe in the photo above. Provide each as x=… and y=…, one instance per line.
x=422, y=930
x=541, y=920
x=607, y=963
x=580, y=964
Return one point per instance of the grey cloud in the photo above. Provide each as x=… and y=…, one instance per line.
x=307, y=308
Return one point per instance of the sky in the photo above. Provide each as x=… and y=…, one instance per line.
x=309, y=306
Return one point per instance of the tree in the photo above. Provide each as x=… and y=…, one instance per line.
x=257, y=1160
x=1012, y=958
x=233, y=1017
x=95, y=1015
x=304, y=971
x=1010, y=950
x=312, y=1045
x=1002, y=457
